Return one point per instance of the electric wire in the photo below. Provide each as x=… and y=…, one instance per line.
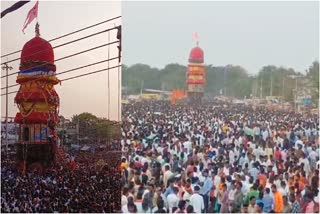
x=75, y=77
x=68, y=34
x=73, y=69
x=61, y=45
x=65, y=57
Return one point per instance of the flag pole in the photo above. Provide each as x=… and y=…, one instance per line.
x=37, y=20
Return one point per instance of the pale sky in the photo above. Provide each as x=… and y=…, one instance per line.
x=249, y=34
x=56, y=18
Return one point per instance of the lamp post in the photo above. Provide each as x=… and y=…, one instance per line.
x=6, y=68
x=296, y=91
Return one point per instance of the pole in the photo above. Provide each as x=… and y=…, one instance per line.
x=224, y=82
x=63, y=132
x=261, y=88
x=77, y=127
x=142, y=85
x=271, y=79
x=7, y=68
x=282, y=92
x=296, y=96
x=108, y=76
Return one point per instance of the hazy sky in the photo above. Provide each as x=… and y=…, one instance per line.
x=250, y=34
x=56, y=18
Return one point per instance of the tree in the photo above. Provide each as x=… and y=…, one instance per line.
x=140, y=75
x=233, y=78
x=92, y=128
x=313, y=76
x=173, y=76
x=283, y=82
x=87, y=125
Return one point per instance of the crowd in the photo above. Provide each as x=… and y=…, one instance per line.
x=93, y=186
x=218, y=158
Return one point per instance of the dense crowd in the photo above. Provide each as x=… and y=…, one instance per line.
x=218, y=157
x=93, y=186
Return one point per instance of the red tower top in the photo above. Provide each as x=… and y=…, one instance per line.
x=37, y=49
x=196, y=55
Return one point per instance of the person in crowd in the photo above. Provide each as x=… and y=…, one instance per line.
x=197, y=201
x=90, y=187
x=235, y=157
x=278, y=199
x=268, y=201
x=286, y=206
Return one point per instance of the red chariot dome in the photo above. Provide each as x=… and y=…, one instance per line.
x=37, y=49
x=196, y=55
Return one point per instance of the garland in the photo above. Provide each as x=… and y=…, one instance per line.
x=36, y=117
x=29, y=64
x=29, y=111
x=52, y=79
x=37, y=96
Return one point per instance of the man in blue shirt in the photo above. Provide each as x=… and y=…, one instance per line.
x=206, y=189
x=267, y=201
x=169, y=190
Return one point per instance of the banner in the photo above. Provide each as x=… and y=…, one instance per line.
x=44, y=135
x=37, y=133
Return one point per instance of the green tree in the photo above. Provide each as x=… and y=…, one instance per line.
x=92, y=128
x=173, y=76
x=87, y=125
x=282, y=79
x=313, y=76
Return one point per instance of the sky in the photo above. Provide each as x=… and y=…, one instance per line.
x=56, y=18
x=249, y=34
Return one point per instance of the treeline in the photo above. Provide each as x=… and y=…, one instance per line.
x=231, y=80
x=91, y=129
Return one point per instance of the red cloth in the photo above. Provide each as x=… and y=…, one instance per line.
x=73, y=165
x=196, y=55
x=37, y=49
x=277, y=155
x=137, y=164
x=36, y=117
x=37, y=96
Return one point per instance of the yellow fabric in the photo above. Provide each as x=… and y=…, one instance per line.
x=38, y=107
x=225, y=129
x=124, y=165
x=195, y=77
x=53, y=79
x=196, y=65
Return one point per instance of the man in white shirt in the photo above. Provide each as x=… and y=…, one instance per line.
x=173, y=199
x=282, y=188
x=265, y=135
x=196, y=200
x=299, y=142
x=231, y=157
x=188, y=145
